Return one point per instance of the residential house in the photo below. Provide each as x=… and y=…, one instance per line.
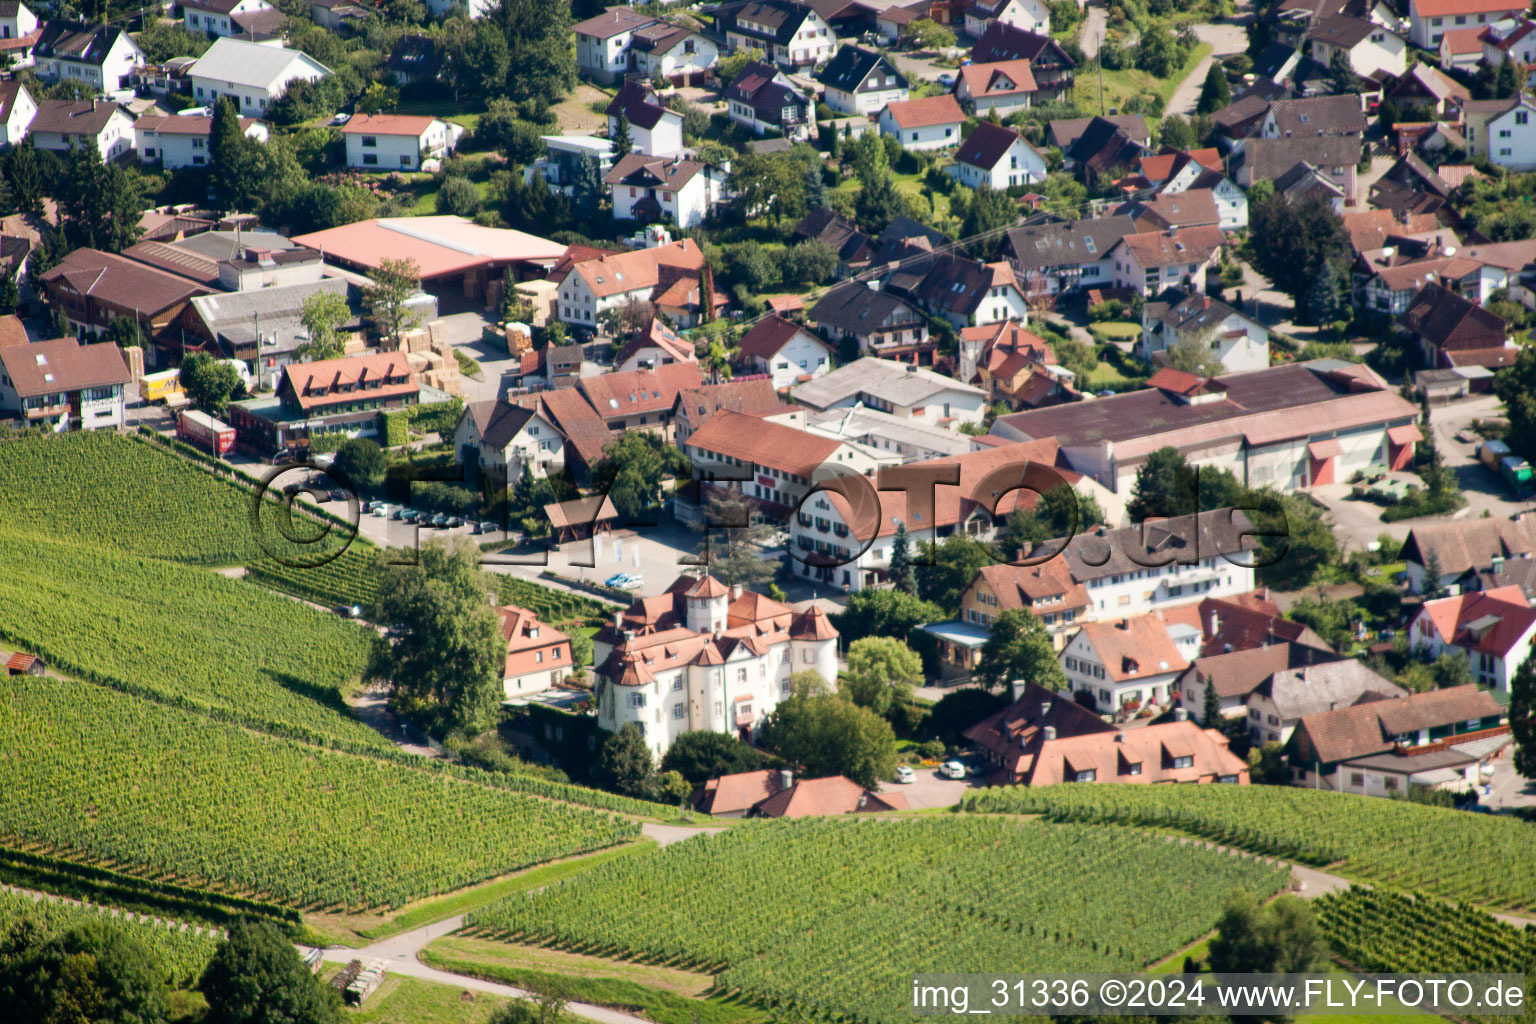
x=1129, y=665
x=786, y=351
x=1173, y=170
x=602, y=43
x=63, y=385
x=704, y=656
x=762, y=99
x=1514, y=38
x=179, y=141
x=1046, y=590
x=853, y=247
x=508, y=439
x=262, y=327
x=752, y=396
x=17, y=109
x=1372, y=50
x=792, y=35
x=1150, y=261
x=1494, y=629
x=1453, y=331
x=605, y=282
x=1425, y=86
x=62, y=125
x=775, y=793
x=1502, y=131
x=965, y=292
x=1029, y=15
x=1382, y=747
x=1013, y=366
x=93, y=288
x=654, y=129
x=1461, y=49
x=1054, y=71
x=328, y=397
x=773, y=464
x=338, y=15
x=842, y=536
x=251, y=75
x=565, y=157
x=1063, y=133
x=583, y=434
x=1519, y=573
x=397, y=142
x=1428, y=20
x=19, y=32
x=1237, y=673
x=997, y=157
x=1278, y=704
x=1180, y=318
x=667, y=189
x=1320, y=115
x=1236, y=121
x=1195, y=208
x=881, y=323
x=860, y=81
x=538, y=655
x=1053, y=257
x=1043, y=739
x=218, y=17
x=672, y=52
x=1464, y=548
x=639, y=399
x=1005, y=86
x=101, y=57
x=927, y=124
x=1288, y=426
x=653, y=346
x=415, y=60
x=1103, y=151
x=1333, y=157
x=910, y=440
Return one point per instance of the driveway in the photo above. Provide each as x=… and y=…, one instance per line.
x=1091, y=32
x=1225, y=39
x=931, y=789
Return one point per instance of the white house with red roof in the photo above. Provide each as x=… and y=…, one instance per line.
x=1149, y=261
x=704, y=656
x=997, y=157
x=179, y=141
x=926, y=124
x=1514, y=38
x=1495, y=629
x=663, y=188
x=592, y=287
x=1428, y=20
x=602, y=43
x=653, y=346
x=786, y=351
x=397, y=142
x=1005, y=86
x=1123, y=666
x=218, y=17
x=1029, y=15
x=538, y=656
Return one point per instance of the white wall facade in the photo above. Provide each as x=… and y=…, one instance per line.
x=1238, y=342
x=174, y=151
x=216, y=24
x=538, y=445
x=1426, y=31
x=398, y=152
x=663, y=140
x=928, y=137
x=603, y=59
x=1081, y=664
x=250, y=101
x=117, y=139
x=1021, y=165
x=689, y=57
x=687, y=206
x=100, y=408
x=14, y=130
x=801, y=355
x=1149, y=589
x=110, y=76
x=864, y=102
x=1511, y=139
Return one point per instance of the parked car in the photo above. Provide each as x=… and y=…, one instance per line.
x=626, y=581
x=439, y=520
x=341, y=119
x=947, y=80
x=454, y=522
x=382, y=510
x=905, y=775
x=350, y=611
x=952, y=770
x=618, y=579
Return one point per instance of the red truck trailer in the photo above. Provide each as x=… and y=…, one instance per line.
x=205, y=431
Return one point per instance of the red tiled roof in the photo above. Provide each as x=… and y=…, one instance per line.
x=639, y=268
x=21, y=662
x=772, y=333
x=388, y=124
x=818, y=797
x=925, y=113
x=318, y=384
x=639, y=391
x=1013, y=584
x=62, y=365
x=1134, y=648
x=788, y=449
x=985, y=80
x=1441, y=8
x=734, y=794
x=525, y=635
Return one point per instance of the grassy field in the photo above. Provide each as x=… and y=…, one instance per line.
x=400, y=999
x=1120, y=86
x=1115, y=330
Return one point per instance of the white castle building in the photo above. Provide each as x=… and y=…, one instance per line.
x=705, y=656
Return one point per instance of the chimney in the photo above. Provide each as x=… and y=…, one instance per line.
x=1022, y=553
x=1497, y=565
x=1180, y=715
x=1124, y=624
x=1017, y=689
x=863, y=800
x=1045, y=708
x=1119, y=736
x=735, y=591
x=786, y=779
x=1050, y=732
x=618, y=620
x=1215, y=623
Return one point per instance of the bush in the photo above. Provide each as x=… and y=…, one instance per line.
x=392, y=429
x=931, y=750
x=458, y=197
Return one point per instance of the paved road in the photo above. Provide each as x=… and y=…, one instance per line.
x=1091, y=32
x=666, y=835
x=1226, y=38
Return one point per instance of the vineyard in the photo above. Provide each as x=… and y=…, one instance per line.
x=183, y=951
x=104, y=778
x=1476, y=857
x=550, y=605
x=184, y=636
x=835, y=916
x=1391, y=932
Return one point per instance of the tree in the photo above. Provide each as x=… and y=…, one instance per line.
x=10, y=294
x=826, y=735
x=1292, y=238
x=879, y=203
x=989, y=212
x=322, y=313
x=1210, y=711
x=946, y=569
x=881, y=673
x=362, y=462
x=901, y=561
x=1160, y=489
x=542, y=1009
x=95, y=972
x=1192, y=354
x=1215, y=93
x=960, y=709
x=1522, y=717
x=388, y=297
x=24, y=173
x=1324, y=302
x=811, y=262
x=444, y=652
x=210, y=384
x=257, y=977
x=1282, y=938
x=1060, y=512
x=632, y=469
x=884, y=613
x=233, y=161
x=1159, y=53
x=623, y=143
x=770, y=186
x=587, y=192
x=927, y=34
x=123, y=332
x=1176, y=132
x=1019, y=648
x=541, y=61
x=706, y=754
x=459, y=198
x=624, y=763
x=99, y=204
x=1516, y=388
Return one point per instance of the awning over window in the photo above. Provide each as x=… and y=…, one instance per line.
x=1328, y=449
x=1404, y=435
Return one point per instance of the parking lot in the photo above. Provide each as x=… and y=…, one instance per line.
x=932, y=790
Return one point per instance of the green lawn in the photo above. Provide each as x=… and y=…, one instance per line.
x=1115, y=330
x=1120, y=86
x=1106, y=374
x=466, y=114
x=421, y=1002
